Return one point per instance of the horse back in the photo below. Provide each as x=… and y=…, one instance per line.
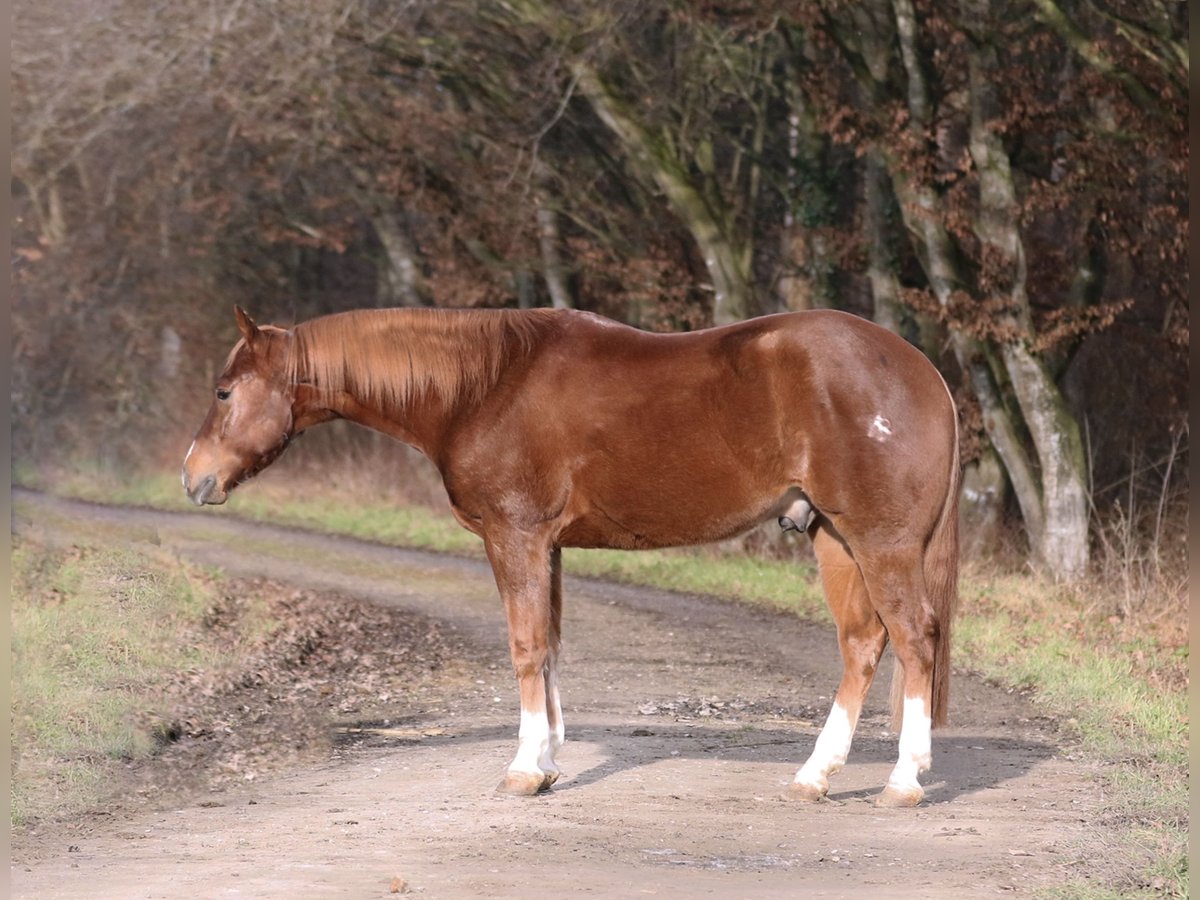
x=628, y=438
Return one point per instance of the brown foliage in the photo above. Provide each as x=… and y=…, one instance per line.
x=170, y=161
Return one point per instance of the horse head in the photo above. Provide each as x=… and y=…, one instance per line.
x=251, y=418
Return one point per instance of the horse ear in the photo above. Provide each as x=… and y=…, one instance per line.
x=245, y=325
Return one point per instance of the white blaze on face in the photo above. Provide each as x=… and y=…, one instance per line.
x=183, y=474
x=829, y=753
x=915, y=746
x=881, y=428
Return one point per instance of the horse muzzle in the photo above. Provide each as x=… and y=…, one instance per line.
x=205, y=492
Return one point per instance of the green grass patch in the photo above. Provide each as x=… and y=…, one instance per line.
x=388, y=524
x=789, y=587
x=97, y=632
x=783, y=586
x=1026, y=633
x=1115, y=713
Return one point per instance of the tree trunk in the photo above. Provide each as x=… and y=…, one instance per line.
x=51, y=221
x=399, y=282
x=983, y=490
x=1063, y=547
x=726, y=261
x=1063, y=544
x=524, y=287
x=805, y=282
x=881, y=266
x=1004, y=438
x=552, y=266
x=1053, y=506
x=550, y=242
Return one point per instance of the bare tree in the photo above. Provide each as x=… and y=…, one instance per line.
x=1004, y=185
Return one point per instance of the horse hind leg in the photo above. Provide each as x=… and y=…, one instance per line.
x=861, y=639
x=554, y=714
x=897, y=587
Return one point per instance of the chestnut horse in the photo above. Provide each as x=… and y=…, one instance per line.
x=557, y=429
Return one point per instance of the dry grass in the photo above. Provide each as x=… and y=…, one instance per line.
x=1140, y=537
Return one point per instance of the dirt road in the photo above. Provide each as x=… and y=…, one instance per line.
x=686, y=717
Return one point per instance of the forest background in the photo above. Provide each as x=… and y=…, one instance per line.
x=1002, y=183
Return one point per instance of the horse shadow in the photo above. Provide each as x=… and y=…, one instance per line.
x=963, y=762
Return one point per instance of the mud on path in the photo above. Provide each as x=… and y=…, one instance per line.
x=686, y=717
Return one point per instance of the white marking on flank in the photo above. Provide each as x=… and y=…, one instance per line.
x=881, y=428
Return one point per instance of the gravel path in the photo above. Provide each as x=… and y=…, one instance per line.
x=686, y=717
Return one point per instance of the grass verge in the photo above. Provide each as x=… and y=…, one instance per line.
x=1123, y=691
x=98, y=633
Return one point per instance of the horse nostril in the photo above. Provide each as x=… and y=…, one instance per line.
x=203, y=489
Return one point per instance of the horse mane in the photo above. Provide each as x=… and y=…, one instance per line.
x=391, y=356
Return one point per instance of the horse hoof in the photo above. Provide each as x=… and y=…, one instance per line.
x=524, y=784
x=549, y=778
x=899, y=798
x=807, y=793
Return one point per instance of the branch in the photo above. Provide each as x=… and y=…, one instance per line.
x=1089, y=51
x=1177, y=68
x=710, y=229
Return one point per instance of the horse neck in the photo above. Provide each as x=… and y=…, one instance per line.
x=421, y=423
x=421, y=412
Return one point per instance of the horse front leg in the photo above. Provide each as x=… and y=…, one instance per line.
x=897, y=586
x=553, y=701
x=529, y=577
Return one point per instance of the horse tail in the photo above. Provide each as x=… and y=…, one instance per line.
x=941, y=581
x=940, y=570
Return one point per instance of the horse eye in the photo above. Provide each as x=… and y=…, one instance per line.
x=222, y=393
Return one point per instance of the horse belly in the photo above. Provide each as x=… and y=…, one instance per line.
x=673, y=521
